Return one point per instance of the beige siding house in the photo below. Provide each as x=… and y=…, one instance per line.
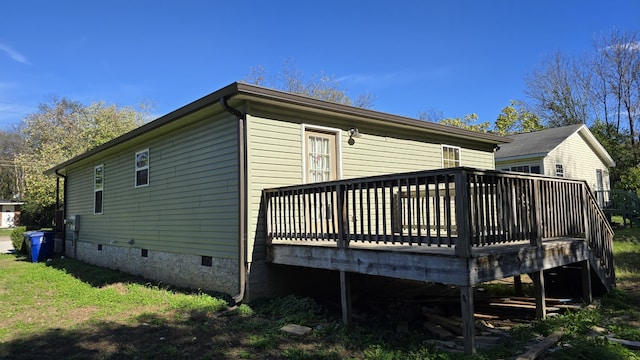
x=179, y=199
x=570, y=151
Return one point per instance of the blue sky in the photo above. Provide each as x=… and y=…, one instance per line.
x=456, y=57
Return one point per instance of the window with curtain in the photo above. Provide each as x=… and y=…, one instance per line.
x=320, y=160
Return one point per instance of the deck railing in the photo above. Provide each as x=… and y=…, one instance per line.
x=458, y=207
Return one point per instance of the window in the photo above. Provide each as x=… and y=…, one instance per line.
x=526, y=169
x=98, y=188
x=142, y=168
x=450, y=156
x=521, y=168
x=559, y=170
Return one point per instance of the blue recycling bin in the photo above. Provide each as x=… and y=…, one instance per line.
x=39, y=245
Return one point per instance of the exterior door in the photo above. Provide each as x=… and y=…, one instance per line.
x=321, y=165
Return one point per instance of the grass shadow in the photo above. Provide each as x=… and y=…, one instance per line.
x=100, y=277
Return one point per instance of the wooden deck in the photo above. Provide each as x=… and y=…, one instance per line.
x=458, y=226
x=432, y=264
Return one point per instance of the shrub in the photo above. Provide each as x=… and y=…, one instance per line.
x=17, y=238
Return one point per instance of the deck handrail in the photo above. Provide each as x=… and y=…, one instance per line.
x=599, y=235
x=456, y=207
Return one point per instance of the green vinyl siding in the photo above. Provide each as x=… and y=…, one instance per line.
x=190, y=205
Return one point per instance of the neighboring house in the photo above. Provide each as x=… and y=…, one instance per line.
x=179, y=199
x=569, y=151
x=10, y=216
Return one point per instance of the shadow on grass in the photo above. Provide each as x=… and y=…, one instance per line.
x=94, y=275
x=628, y=261
x=100, y=277
x=152, y=337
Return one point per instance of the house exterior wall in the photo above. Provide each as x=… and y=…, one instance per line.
x=188, y=211
x=579, y=161
x=275, y=158
x=9, y=215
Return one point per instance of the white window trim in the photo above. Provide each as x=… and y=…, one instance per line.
x=135, y=165
x=334, y=131
x=452, y=147
x=96, y=190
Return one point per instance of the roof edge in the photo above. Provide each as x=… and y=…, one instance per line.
x=253, y=91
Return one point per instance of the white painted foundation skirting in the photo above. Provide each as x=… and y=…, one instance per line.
x=183, y=270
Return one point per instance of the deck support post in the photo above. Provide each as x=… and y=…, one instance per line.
x=468, y=322
x=587, y=295
x=345, y=297
x=538, y=288
x=517, y=283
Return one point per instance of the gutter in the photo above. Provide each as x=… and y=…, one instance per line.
x=242, y=198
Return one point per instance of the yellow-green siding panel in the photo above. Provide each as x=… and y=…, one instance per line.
x=190, y=205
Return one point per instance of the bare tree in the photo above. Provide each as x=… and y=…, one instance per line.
x=431, y=114
x=618, y=69
x=560, y=91
x=323, y=87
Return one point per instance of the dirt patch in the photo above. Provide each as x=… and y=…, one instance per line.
x=121, y=288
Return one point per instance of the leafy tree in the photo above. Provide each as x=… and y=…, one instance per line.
x=515, y=119
x=323, y=87
x=468, y=123
x=59, y=131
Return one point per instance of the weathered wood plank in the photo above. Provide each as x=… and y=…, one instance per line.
x=541, y=347
x=438, y=330
x=402, y=265
x=525, y=260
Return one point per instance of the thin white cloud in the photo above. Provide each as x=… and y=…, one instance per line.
x=394, y=78
x=13, y=54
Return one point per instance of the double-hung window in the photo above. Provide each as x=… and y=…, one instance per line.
x=559, y=170
x=142, y=168
x=450, y=156
x=98, y=189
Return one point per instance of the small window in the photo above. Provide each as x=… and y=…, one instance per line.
x=535, y=169
x=142, y=168
x=450, y=156
x=98, y=189
x=559, y=170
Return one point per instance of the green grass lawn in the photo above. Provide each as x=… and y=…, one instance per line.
x=65, y=309
x=5, y=232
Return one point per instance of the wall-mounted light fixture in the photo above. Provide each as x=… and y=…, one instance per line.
x=353, y=133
